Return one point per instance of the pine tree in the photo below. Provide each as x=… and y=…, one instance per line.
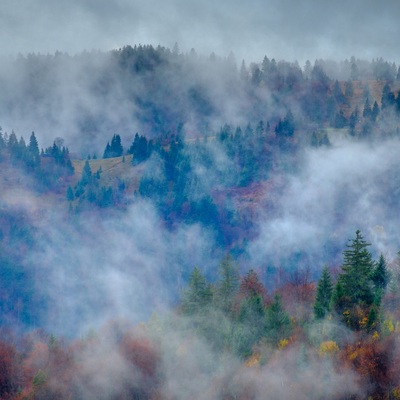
x=86, y=174
x=33, y=156
x=375, y=111
x=198, y=295
x=13, y=146
x=381, y=275
x=116, y=146
x=323, y=297
x=367, y=112
x=228, y=284
x=107, y=151
x=388, y=98
x=277, y=322
x=357, y=268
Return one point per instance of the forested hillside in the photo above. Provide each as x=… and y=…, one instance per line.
x=166, y=215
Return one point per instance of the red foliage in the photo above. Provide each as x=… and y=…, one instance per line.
x=48, y=371
x=141, y=353
x=9, y=371
x=250, y=285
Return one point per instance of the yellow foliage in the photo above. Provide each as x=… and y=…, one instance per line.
x=375, y=336
x=283, y=343
x=328, y=347
x=390, y=326
x=396, y=393
x=253, y=361
x=363, y=322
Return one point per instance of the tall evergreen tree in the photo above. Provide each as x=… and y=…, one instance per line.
x=357, y=268
x=277, y=322
x=228, y=284
x=86, y=174
x=323, y=297
x=198, y=295
x=388, y=99
x=375, y=111
x=367, y=112
x=114, y=149
x=381, y=274
x=33, y=155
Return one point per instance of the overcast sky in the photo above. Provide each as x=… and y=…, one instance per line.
x=284, y=29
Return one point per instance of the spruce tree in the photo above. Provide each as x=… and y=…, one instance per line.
x=381, y=274
x=33, y=155
x=228, y=284
x=277, y=322
x=86, y=174
x=357, y=268
x=323, y=297
x=198, y=295
x=367, y=113
x=375, y=111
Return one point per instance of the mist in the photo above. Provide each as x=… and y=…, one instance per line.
x=336, y=191
x=269, y=161
x=307, y=30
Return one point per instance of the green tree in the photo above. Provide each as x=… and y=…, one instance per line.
x=114, y=149
x=277, y=322
x=250, y=325
x=357, y=272
x=86, y=174
x=367, y=112
x=375, y=111
x=198, y=295
x=354, y=292
x=323, y=297
x=227, y=285
x=381, y=275
x=388, y=98
x=33, y=155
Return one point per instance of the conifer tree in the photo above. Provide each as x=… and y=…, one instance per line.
x=33, y=156
x=388, y=98
x=277, y=322
x=198, y=295
x=357, y=268
x=228, y=284
x=367, y=112
x=375, y=111
x=86, y=174
x=381, y=274
x=323, y=297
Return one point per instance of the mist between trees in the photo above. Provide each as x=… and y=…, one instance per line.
x=159, y=164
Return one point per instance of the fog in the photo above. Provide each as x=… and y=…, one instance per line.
x=336, y=191
x=282, y=29
x=92, y=268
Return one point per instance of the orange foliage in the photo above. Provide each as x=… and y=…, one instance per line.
x=376, y=362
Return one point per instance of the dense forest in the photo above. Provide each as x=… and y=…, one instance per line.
x=195, y=228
